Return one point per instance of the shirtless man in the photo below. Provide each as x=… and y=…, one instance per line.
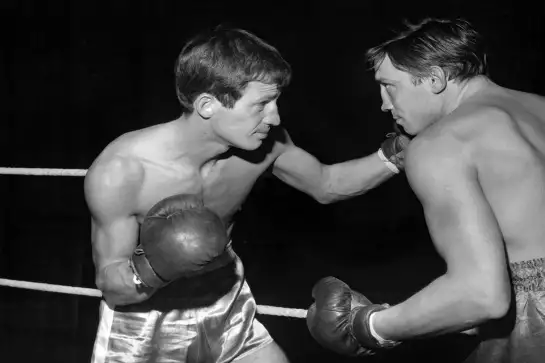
x=228, y=82
x=477, y=165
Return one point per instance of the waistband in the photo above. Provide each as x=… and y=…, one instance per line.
x=528, y=275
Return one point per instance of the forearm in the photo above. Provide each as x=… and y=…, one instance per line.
x=444, y=306
x=355, y=177
x=118, y=288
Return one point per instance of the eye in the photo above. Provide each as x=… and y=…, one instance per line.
x=261, y=106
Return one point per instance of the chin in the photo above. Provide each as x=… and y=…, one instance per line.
x=403, y=128
x=249, y=146
x=412, y=129
x=254, y=147
x=411, y=132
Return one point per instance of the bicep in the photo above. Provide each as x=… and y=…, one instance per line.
x=110, y=193
x=113, y=239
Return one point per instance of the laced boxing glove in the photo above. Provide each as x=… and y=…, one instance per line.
x=178, y=238
x=392, y=150
x=339, y=319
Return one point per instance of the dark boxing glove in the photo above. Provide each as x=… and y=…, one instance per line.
x=179, y=238
x=392, y=150
x=339, y=319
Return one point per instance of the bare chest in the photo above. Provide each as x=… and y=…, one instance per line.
x=223, y=185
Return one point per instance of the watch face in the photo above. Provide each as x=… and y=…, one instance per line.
x=135, y=279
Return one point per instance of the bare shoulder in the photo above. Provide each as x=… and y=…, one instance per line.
x=444, y=152
x=112, y=183
x=467, y=126
x=431, y=159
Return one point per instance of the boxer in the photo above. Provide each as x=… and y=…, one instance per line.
x=477, y=164
x=228, y=82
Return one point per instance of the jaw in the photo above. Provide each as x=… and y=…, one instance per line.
x=198, y=141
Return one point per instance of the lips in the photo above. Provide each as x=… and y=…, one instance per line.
x=261, y=134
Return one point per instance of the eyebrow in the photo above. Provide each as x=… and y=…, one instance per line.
x=383, y=80
x=269, y=97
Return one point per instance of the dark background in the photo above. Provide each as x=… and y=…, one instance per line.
x=76, y=74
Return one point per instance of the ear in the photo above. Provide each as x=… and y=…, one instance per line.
x=205, y=105
x=437, y=80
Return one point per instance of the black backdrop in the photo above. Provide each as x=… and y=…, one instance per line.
x=76, y=74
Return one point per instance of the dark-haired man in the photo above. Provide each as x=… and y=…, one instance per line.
x=228, y=82
x=477, y=164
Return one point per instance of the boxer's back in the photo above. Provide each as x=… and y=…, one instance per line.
x=510, y=159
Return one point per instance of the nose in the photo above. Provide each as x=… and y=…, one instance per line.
x=273, y=120
x=386, y=103
x=272, y=117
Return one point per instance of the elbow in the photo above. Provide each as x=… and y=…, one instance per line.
x=496, y=305
x=108, y=292
x=492, y=302
x=485, y=294
x=112, y=298
x=120, y=291
x=100, y=282
x=498, y=295
x=325, y=198
x=325, y=193
x=104, y=288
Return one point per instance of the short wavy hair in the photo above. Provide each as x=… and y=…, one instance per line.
x=453, y=45
x=222, y=62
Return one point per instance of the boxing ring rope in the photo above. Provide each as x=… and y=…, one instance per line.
x=43, y=172
x=83, y=291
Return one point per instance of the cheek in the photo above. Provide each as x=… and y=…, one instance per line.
x=407, y=103
x=237, y=125
x=398, y=102
x=397, y=98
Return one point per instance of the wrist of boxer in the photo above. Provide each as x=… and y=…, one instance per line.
x=382, y=341
x=393, y=168
x=145, y=275
x=143, y=272
x=116, y=282
x=364, y=330
x=136, y=279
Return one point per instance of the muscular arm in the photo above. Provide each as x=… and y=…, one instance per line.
x=329, y=183
x=464, y=230
x=110, y=191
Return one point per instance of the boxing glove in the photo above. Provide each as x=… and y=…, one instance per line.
x=339, y=319
x=392, y=150
x=179, y=237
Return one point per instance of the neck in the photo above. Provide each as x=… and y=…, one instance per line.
x=462, y=91
x=194, y=141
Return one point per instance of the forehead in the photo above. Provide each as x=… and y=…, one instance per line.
x=256, y=90
x=387, y=72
